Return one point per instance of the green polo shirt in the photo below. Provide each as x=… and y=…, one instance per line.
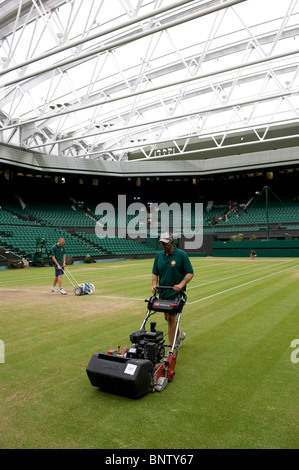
x=58, y=252
x=171, y=270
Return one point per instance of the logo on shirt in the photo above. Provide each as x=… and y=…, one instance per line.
x=173, y=263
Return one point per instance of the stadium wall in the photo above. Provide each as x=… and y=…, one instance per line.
x=71, y=165
x=263, y=248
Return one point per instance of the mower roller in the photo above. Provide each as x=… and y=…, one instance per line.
x=145, y=366
x=79, y=289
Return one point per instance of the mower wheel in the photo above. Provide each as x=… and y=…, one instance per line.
x=78, y=290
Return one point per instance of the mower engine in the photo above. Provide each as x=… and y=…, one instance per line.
x=147, y=345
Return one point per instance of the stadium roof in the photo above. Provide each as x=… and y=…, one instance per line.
x=143, y=80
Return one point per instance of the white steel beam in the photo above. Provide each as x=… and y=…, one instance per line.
x=167, y=85
x=126, y=40
x=183, y=116
x=79, y=42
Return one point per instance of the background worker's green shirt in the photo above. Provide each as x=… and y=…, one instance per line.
x=171, y=270
x=58, y=252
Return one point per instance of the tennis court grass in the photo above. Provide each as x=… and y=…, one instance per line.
x=235, y=383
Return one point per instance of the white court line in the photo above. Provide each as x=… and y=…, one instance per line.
x=3, y=289
x=242, y=285
x=125, y=298
x=29, y=291
x=237, y=275
x=211, y=266
x=45, y=277
x=79, y=271
x=10, y=289
x=189, y=303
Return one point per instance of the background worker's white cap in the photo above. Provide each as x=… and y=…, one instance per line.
x=165, y=237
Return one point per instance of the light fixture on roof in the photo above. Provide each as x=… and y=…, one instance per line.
x=60, y=36
x=99, y=125
x=58, y=105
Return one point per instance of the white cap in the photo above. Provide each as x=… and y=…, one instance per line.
x=165, y=237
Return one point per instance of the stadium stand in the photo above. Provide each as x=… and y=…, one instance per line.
x=22, y=240
x=45, y=209
x=116, y=245
x=25, y=218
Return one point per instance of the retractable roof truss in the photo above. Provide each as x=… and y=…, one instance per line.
x=173, y=98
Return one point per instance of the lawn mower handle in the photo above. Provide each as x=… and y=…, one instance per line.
x=164, y=287
x=181, y=292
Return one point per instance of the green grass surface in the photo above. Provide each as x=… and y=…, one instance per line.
x=235, y=384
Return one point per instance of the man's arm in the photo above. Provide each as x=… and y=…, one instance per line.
x=181, y=285
x=56, y=262
x=154, y=283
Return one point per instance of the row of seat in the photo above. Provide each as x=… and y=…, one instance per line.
x=286, y=212
x=116, y=245
x=63, y=215
x=7, y=217
x=23, y=240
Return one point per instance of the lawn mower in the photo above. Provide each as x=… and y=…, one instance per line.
x=145, y=366
x=79, y=289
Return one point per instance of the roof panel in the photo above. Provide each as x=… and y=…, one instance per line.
x=132, y=75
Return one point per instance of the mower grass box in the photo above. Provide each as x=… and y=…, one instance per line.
x=121, y=375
